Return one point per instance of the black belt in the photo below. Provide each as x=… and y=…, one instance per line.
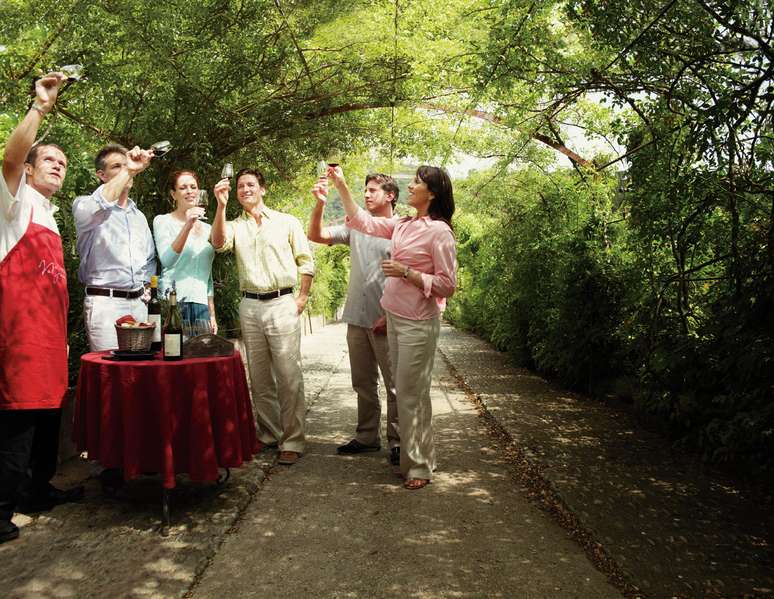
x=105, y=292
x=267, y=296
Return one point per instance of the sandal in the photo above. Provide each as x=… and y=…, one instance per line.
x=414, y=484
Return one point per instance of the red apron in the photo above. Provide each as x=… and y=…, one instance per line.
x=33, y=322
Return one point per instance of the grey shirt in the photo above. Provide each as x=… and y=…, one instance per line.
x=366, y=279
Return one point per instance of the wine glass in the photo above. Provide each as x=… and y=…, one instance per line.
x=228, y=171
x=160, y=148
x=333, y=160
x=201, y=327
x=322, y=168
x=74, y=72
x=201, y=202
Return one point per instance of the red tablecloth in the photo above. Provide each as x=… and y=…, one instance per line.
x=190, y=416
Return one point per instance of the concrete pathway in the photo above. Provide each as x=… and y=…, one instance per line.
x=330, y=526
x=343, y=526
x=666, y=524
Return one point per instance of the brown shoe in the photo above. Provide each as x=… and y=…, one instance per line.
x=288, y=458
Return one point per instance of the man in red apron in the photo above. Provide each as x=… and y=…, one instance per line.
x=33, y=317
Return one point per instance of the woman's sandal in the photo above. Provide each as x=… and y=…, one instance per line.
x=414, y=484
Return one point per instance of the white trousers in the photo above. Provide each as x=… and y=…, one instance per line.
x=412, y=352
x=368, y=354
x=100, y=314
x=271, y=332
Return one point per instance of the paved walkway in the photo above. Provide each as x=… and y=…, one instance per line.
x=517, y=458
x=671, y=526
x=336, y=526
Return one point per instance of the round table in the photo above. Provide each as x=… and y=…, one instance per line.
x=191, y=416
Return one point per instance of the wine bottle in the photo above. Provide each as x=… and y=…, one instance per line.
x=173, y=330
x=154, y=314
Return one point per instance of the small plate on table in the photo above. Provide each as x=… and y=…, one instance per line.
x=120, y=354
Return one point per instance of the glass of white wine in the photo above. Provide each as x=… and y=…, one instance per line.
x=201, y=202
x=160, y=148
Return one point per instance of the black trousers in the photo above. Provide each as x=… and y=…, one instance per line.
x=29, y=448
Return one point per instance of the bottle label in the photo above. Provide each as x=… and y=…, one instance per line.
x=157, y=331
x=173, y=344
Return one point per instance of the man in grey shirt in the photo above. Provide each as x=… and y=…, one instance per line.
x=363, y=313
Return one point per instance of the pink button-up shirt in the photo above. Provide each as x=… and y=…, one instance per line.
x=424, y=245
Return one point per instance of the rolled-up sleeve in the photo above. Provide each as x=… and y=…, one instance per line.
x=376, y=226
x=87, y=210
x=443, y=281
x=228, y=244
x=302, y=253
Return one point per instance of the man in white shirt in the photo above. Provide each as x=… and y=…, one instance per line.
x=33, y=317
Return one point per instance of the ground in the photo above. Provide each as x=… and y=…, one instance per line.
x=538, y=493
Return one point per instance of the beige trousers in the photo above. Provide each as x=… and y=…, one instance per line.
x=368, y=354
x=412, y=351
x=271, y=332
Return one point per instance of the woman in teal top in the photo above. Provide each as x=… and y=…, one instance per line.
x=183, y=246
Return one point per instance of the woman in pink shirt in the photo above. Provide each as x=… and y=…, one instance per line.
x=421, y=274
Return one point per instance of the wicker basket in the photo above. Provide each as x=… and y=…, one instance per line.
x=135, y=339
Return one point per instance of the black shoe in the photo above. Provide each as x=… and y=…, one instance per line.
x=48, y=499
x=8, y=531
x=395, y=456
x=356, y=446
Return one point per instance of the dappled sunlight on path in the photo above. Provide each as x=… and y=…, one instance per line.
x=343, y=526
x=674, y=526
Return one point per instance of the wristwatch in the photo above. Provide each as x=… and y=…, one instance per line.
x=38, y=108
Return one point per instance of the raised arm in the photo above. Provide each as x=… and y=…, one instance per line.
x=137, y=160
x=316, y=231
x=22, y=138
x=337, y=176
x=218, y=232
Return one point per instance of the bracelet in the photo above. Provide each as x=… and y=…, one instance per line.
x=38, y=108
x=406, y=272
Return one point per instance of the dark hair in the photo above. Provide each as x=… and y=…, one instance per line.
x=99, y=160
x=32, y=155
x=438, y=182
x=387, y=184
x=172, y=181
x=251, y=171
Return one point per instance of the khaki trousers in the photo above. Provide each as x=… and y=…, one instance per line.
x=412, y=351
x=271, y=332
x=368, y=354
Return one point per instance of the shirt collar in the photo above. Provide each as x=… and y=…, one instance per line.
x=39, y=199
x=265, y=211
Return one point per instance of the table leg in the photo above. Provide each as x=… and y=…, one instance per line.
x=223, y=478
x=165, y=512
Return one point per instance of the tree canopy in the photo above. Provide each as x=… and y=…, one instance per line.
x=657, y=224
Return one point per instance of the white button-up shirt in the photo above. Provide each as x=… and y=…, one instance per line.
x=15, y=214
